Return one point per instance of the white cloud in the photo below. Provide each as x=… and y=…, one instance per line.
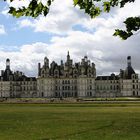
x=18, y=3
x=64, y=16
x=2, y=30
x=60, y=20
x=115, y=18
x=25, y=23
x=26, y=58
x=109, y=53
x=5, y=12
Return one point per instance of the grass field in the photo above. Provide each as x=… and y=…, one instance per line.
x=116, y=121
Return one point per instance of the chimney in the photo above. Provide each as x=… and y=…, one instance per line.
x=2, y=72
x=62, y=64
x=39, y=69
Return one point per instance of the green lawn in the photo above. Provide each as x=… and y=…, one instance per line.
x=118, y=121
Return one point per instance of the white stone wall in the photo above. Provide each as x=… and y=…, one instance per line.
x=86, y=87
x=26, y=89
x=81, y=85
x=45, y=87
x=130, y=87
x=4, y=89
x=126, y=87
x=66, y=87
x=107, y=88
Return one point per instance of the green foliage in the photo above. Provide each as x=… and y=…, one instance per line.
x=132, y=25
x=34, y=9
x=91, y=7
x=106, y=6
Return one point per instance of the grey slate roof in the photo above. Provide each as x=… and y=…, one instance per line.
x=112, y=77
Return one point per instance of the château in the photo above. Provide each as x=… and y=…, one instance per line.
x=69, y=79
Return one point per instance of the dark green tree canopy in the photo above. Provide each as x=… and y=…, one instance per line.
x=91, y=7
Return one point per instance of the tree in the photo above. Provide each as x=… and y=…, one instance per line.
x=91, y=7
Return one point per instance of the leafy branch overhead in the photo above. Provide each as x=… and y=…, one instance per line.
x=132, y=25
x=34, y=9
x=91, y=7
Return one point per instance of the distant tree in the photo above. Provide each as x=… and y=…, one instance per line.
x=91, y=7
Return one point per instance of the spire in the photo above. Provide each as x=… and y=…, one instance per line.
x=68, y=56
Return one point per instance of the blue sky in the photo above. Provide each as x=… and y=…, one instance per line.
x=18, y=37
x=27, y=41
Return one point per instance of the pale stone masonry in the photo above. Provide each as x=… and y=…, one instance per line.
x=69, y=79
x=108, y=86
x=79, y=80
x=4, y=89
x=16, y=84
x=125, y=84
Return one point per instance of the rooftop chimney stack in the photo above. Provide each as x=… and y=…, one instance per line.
x=39, y=69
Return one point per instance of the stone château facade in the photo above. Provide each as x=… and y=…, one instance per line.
x=66, y=79
x=69, y=79
x=16, y=84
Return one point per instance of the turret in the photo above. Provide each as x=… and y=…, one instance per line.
x=129, y=70
x=46, y=62
x=86, y=58
x=93, y=65
x=129, y=61
x=8, y=63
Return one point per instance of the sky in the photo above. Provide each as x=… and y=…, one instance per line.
x=26, y=41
